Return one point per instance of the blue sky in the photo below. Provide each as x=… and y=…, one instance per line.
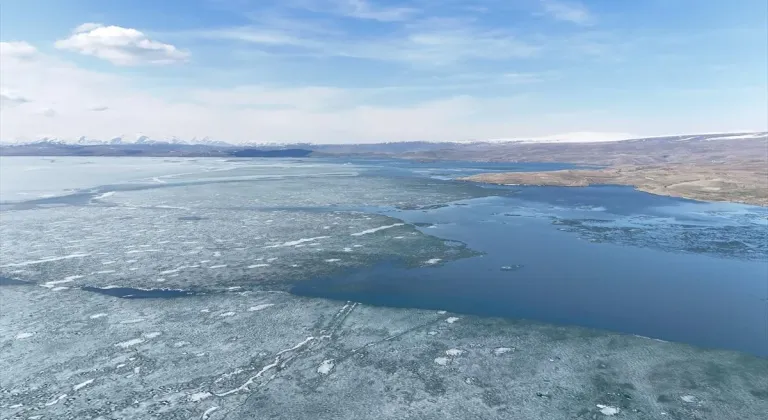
x=369, y=70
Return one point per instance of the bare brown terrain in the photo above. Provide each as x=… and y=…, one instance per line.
x=698, y=168
x=742, y=182
x=710, y=167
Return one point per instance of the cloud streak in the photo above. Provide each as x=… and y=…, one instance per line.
x=365, y=9
x=433, y=42
x=566, y=11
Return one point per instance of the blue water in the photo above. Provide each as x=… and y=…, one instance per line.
x=606, y=257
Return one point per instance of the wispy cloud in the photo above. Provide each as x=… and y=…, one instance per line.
x=432, y=42
x=568, y=11
x=120, y=46
x=358, y=9
x=259, y=36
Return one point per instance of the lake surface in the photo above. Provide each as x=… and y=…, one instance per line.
x=393, y=233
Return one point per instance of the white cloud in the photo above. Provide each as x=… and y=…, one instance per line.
x=320, y=114
x=87, y=27
x=8, y=98
x=98, y=108
x=120, y=46
x=573, y=12
x=17, y=50
x=48, y=112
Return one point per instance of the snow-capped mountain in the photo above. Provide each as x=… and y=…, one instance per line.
x=580, y=137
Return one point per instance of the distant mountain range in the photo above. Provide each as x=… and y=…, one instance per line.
x=138, y=140
x=206, y=141
x=632, y=150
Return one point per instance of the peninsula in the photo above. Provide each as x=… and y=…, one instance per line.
x=745, y=182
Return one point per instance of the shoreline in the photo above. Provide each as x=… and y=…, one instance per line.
x=714, y=183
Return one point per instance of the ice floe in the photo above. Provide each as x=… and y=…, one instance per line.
x=44, y=260
x=140, y=251
x=176, y=270
x=608, y=410
x=207, y=413
x=23, y=335
x=442, y=361
x=258, y=265
x=454, y=352
x=325, y=367
x=55, y=400
x=297, y=242
x=103, y=195
x=501, y=350
x=452, y=319
x=432, y=261
x=82, y=384
x=97, y=316
x=260, y=307
x=374, y=230
x=199, y=396
x=130, y=343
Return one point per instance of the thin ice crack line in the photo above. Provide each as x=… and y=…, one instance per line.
x=340, y=317
x=280, y=363
x=278, y=358
x=389, y=338
x=383, y=340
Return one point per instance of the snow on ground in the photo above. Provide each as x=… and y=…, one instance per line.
x=130, y=343
x=607, y=410
x=442, y=361
x=82, y=385
x=325, y=367
x=374, y=230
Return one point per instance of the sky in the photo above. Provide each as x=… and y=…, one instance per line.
x=363, y=71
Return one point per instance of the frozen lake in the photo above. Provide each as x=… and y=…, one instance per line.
x=261, y=245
